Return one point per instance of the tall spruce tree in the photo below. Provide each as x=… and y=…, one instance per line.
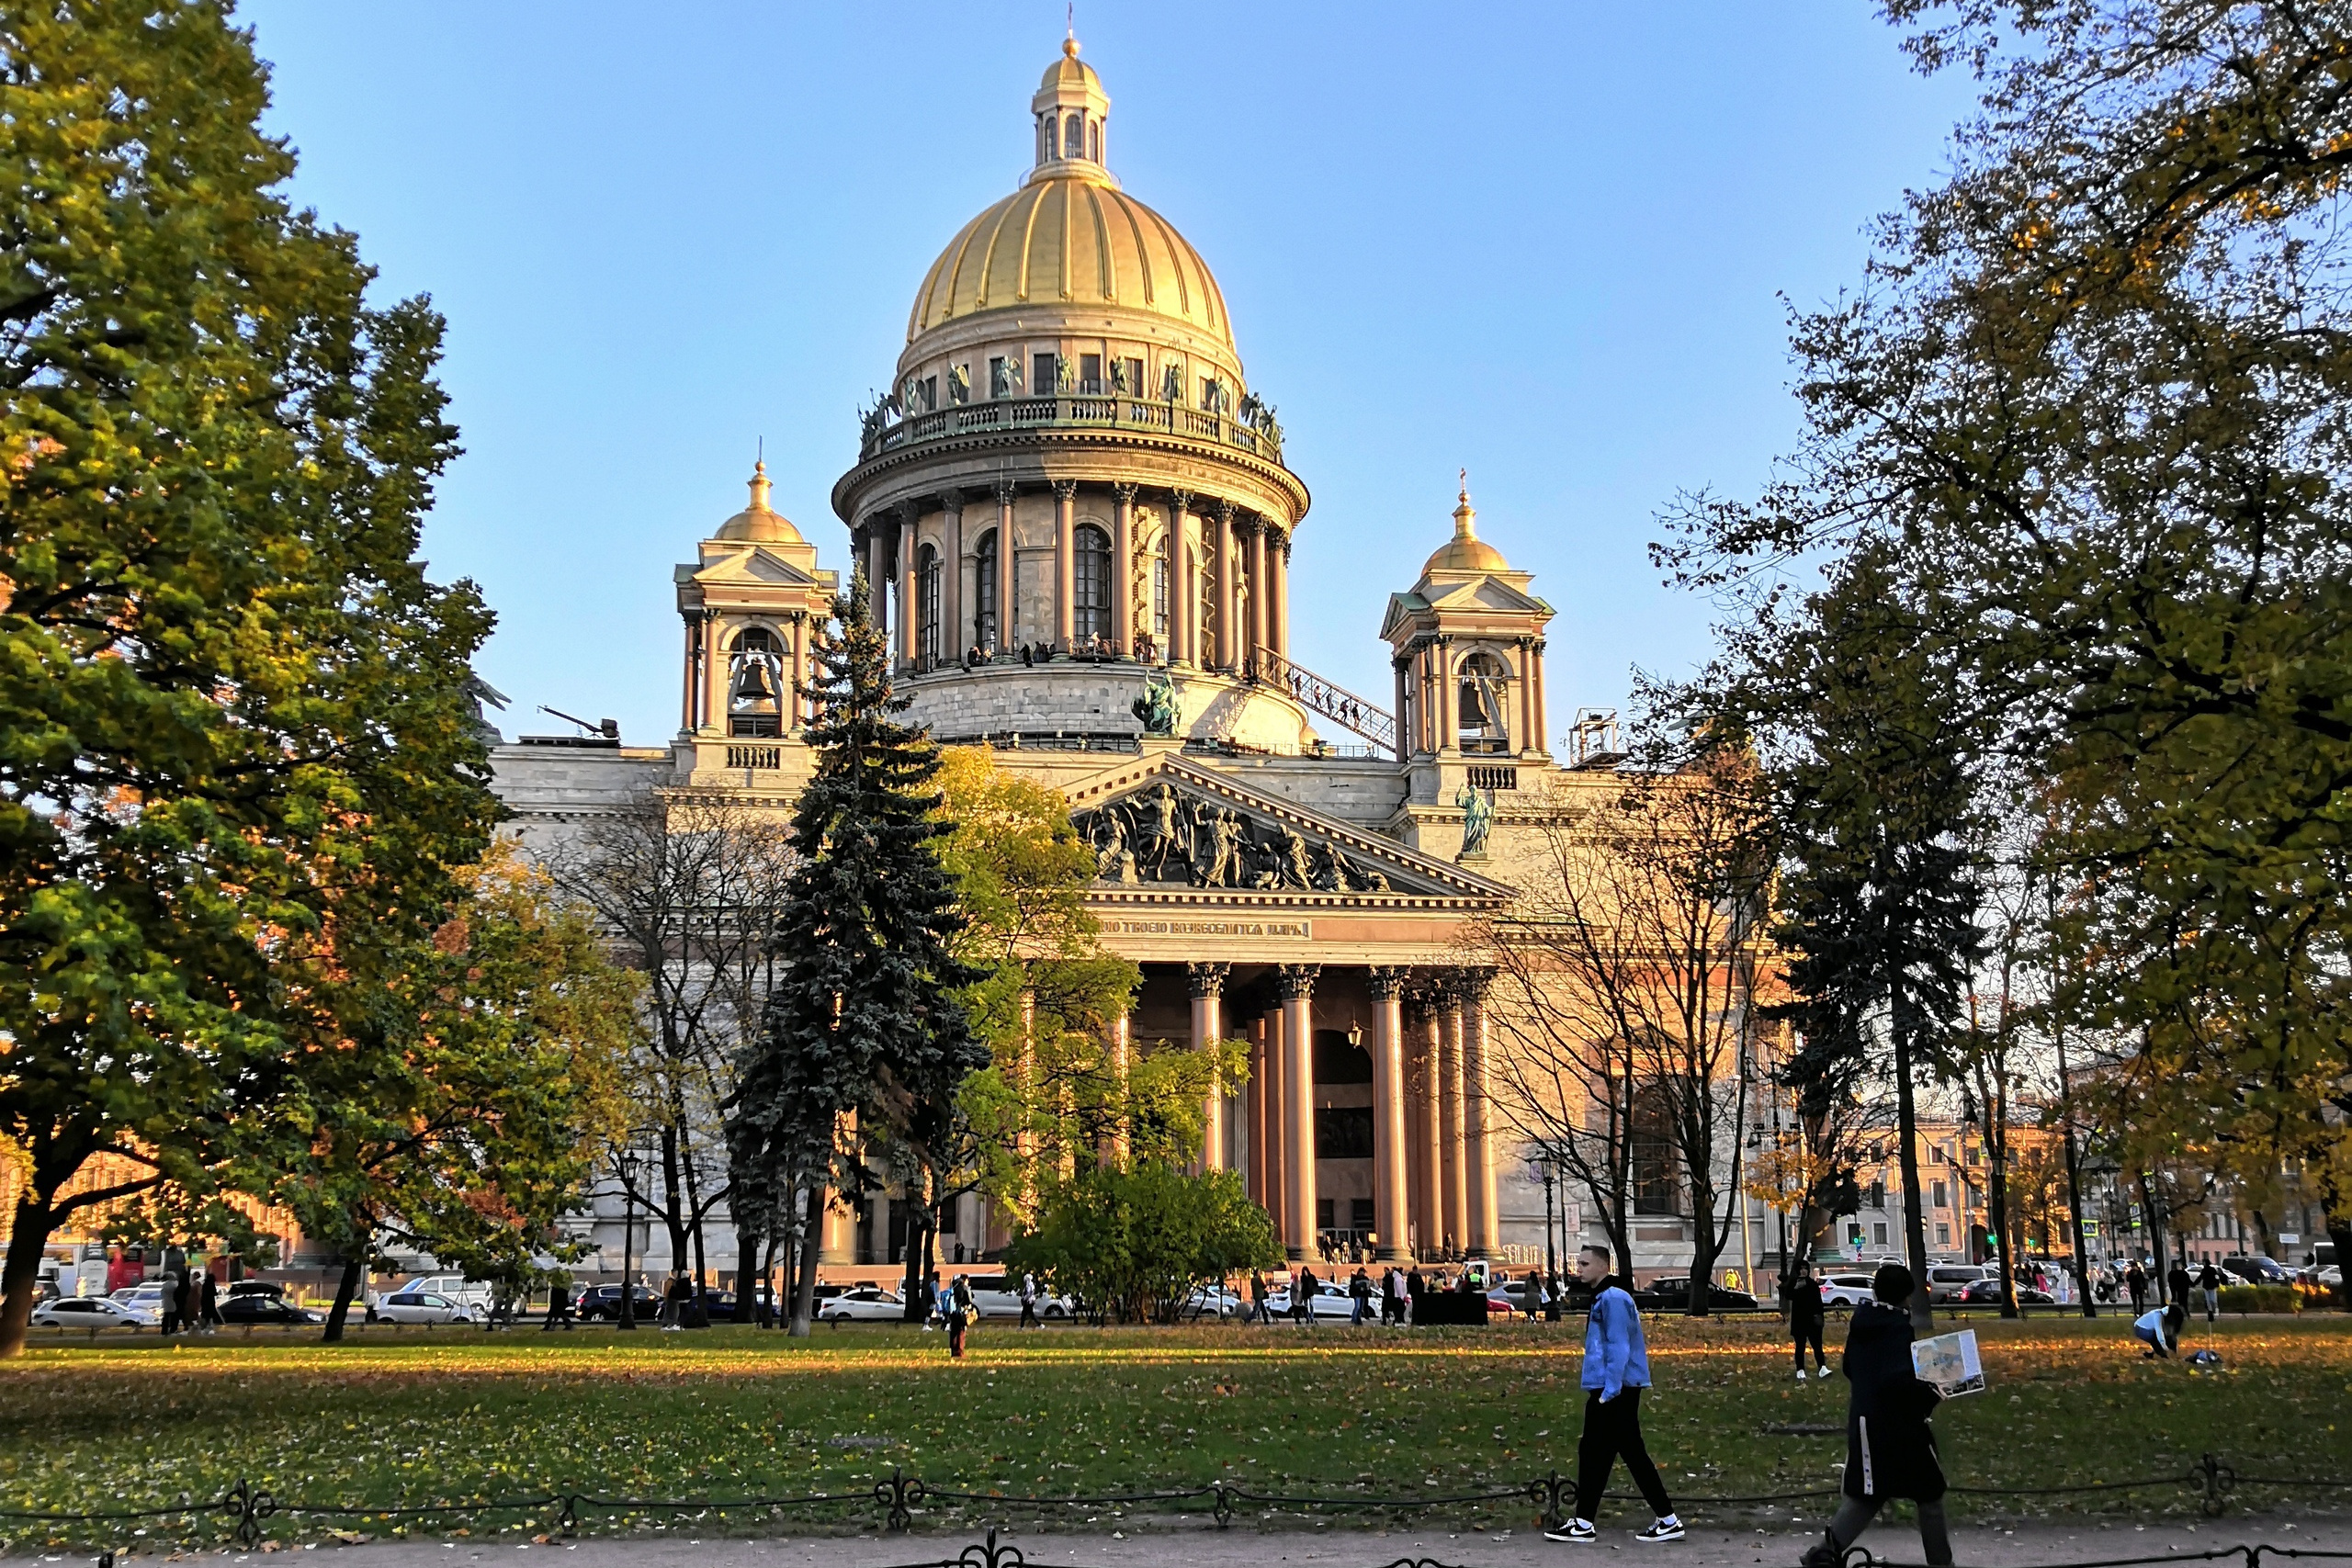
x=864, y=1022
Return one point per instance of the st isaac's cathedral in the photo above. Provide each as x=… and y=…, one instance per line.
x=1076, y=523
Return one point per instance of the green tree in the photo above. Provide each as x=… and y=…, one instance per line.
x=466, y=1107
x=230, y=699
x=1135, y=1242
x=864, y=1019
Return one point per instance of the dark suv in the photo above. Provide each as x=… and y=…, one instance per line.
x=604, y=1302
x=1673, y=1295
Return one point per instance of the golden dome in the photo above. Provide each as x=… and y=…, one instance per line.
x=1070, y=240
x=1465, y=551
x=1069, y=72
x=759, y=522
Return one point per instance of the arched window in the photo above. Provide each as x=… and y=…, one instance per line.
x=1486, y=684
x=1159, y=594
x=1074, y=137
x=1094, y=139
x=1091, y=613
x=756, y=679
x=984, y=579
x=927, y=605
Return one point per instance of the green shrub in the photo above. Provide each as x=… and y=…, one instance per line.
x=1135, y=1244
x=2261, y=1298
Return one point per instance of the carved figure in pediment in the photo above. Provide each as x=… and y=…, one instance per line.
x=1323, y=869
x=1295, y=869
x=1107, y=830
x=1361, y=878
x=1158, y=831
x=1217, y=847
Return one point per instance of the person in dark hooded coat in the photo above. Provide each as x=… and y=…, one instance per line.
x=1890, y=1448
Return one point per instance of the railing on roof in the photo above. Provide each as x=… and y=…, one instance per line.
x=1330, y=699
x=1070, y=411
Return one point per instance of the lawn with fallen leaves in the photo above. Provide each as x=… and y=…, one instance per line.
x=459, y=1415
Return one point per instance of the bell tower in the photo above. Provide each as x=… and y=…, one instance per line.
x=751, y=605
x=1466, y=642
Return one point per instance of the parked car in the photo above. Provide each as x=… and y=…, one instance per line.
x=2257, y=1269
x=999, y=1295
x=257, y=1287
x=426, y=1306
x=1215, y=1301
x=147, y=1299
x=1331, y=1301
x=253, y=1306
x=475, y=1294
x=1947, y=1281
x=1848, y=1290
x=604, y=1302
x=864, y=1303
x=1673, y=1295
x=91, y=1312
x=1987, y=1292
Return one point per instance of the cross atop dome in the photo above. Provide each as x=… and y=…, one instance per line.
x=1070, y=109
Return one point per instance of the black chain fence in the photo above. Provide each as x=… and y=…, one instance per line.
x=894, y=1501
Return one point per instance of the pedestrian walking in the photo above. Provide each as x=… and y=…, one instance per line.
x=2208, y=1281
x=2177, y=1283
x=960, y=1314
x=1258, y=1313
x=208, y=1303
x=1029, y=1302
x=1890, y=1448
x=1806, y=1318
x=2135, y=1283
x=1302, y=1296
x=1359, y=1298
x=187, y=1301
x=1616, y=1370
x=559, y=1304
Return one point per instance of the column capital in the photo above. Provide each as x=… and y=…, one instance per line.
x=1295, y=982
x=952, y=501
x=1470, y=984
x=1248, y=525
x=1065, y=489
x=1005, y=490
x=907, y=511
x=1180, y=500
x=1207, y=979
x=1387, y=982
x=1125, y=493
x=1224, y=510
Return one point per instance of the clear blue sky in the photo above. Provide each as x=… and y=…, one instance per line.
x=1547, y=242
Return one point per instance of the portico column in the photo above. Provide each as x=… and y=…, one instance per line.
x=1065, y=564
x=1405, y=746
x=1183, y=619
x=1432, y=1137
x=796, y=700
x=837, y=1231
x=692, y=623
x=909, y=621
x=1456, y=1213
x=1123, y=567
x=1526, y=695
x=1228, y=635
x=1122, y=1036
x=1480, y=1153
x=1296, y=983
x=951, y=578
x=1207, y=982
x=1258, y=595
x=1007, y=569
x=1388, y=1205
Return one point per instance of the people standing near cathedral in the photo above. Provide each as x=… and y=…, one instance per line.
x=957, y=1304
x=1028, y=1303
x=1890, y=1448
x=2208, y=1282
x=1359, y=1298
x=1616, y=1370
x=1808, y=1317
x=169, y=1306
x=207, y=1303
x=2177, y=1284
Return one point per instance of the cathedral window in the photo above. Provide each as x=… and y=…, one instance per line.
x=1129, y=378
x=754, y=683
x=1000, y=376
x=1089, y=374
x=1094, y=139
x=1074, y=137
x=1043, y=367
x=927, y=605
x=984, y=580
x=1090, y=614
x=1159, y=596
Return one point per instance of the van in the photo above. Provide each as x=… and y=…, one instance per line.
x=1947, y=1281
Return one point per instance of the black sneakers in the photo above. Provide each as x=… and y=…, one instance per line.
x=1574, y=1529
x=1666, y=1528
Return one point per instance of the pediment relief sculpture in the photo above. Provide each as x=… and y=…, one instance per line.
x=1162, y=834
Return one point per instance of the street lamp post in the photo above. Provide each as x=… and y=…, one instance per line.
x=628, y=1235
x=1551, y=1264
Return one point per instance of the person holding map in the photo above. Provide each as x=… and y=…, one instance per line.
x=1890, y=1448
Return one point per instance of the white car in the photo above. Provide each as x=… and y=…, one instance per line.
x=1331, y=1301
x=866, y=1303
x=1213, y=1300
x=425, y=1306
x=1845, y=1289
x=147, y=1299
x=999, y=1295
x=1947, y=1281
x=91, y=1312
x=473, y=1293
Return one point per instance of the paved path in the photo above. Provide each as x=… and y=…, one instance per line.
x=1151, y=1545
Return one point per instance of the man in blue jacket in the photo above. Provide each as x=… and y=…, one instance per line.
x=1616, y=1370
